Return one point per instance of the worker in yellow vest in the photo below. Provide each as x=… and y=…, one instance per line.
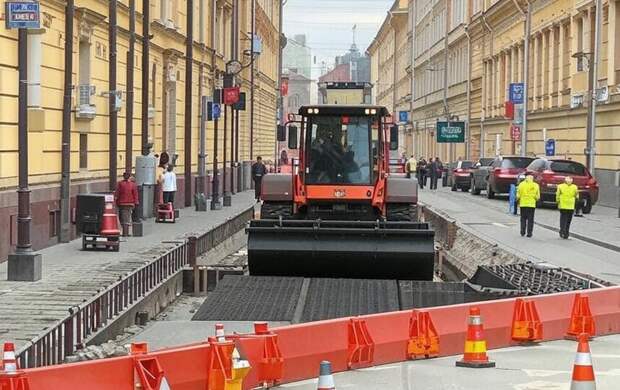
x=566, y=196
x=411, y=166
x=528, y=193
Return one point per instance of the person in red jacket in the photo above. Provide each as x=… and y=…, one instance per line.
x=126, y=199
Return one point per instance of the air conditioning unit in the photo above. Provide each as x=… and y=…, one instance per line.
x=576, y=101
x=85, y=108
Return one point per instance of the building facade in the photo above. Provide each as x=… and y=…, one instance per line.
x=298, y=56
x=90, y=111
x=466, y=53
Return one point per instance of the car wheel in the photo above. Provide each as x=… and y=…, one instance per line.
x=490, y=193
x=474, y=190
x=587, y=207
x=454, y=187
x=465, y=189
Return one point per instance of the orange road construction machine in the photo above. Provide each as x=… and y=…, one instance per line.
x=340, y=213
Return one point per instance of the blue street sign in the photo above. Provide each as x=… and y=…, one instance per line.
x=19, y=14
x=217, y=110
x=403, y=116
x=550, y=147
x=516, y=93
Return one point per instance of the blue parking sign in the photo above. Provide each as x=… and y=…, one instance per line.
x=217, y=111
x=403, y=116
x=516, y=91
x=550, y=147
x=21, y=14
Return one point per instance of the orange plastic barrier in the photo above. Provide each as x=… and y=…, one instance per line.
x=15, y=381
x=581, y=320
x=294, y=352
x=526, y=325
x=361, y=346
x=423, y=337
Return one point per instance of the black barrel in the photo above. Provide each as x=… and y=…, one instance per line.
x=341, y=249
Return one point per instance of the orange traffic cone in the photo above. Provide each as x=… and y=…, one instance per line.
x=9, y=360
x=583, y=372
x=219, y=332
x=423, y=337
x=326, y=379
x=581, y=320
x=475, y=355
x=526, y=325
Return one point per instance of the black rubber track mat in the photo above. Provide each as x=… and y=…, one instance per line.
x=335, y=298
x=257, y=298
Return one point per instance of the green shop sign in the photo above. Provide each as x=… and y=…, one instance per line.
x=453, y=132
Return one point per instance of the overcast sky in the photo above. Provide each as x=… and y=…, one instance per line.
x=328, y=25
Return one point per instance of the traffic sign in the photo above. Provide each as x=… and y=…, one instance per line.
x=518, y=115
x=450, y=132
x=217, y=110
x=550, y=147
x=20, y=14
x=231, y=95
x=516, y=93
x=515, y=132
x=403, y=116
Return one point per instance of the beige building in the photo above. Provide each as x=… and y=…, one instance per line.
x=390, y=70
x=90, y=122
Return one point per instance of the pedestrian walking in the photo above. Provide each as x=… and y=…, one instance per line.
x=258, y=172
x=567, y=196
x=528, y=193
x=126, y=199
x=168, y=181
x=422, y=172
x=433, y=171
x=411, y=167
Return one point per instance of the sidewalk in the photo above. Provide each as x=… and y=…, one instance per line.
x=490, y=220
x=71, y=275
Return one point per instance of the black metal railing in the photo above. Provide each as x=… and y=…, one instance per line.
x=84, y=320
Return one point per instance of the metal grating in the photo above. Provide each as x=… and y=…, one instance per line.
x=242, y=298
x=334, y=298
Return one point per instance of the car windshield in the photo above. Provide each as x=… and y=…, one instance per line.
x=466, y=164
x=485, y=161
x=338, y=150
x=516, y=162
x=570, y=167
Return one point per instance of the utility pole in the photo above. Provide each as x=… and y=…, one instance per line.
x=225, y=177
x=130, y=86
x=526, y=75
x=146, y=21
x=113, y=119
x=215, y=196
x=252, y=71
x=65, y=181
x=189, y=71
x=24, y=264
x=591, y=131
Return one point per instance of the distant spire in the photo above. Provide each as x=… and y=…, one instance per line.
x=354, y=31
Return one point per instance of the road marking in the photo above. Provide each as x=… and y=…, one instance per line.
x=540, y=385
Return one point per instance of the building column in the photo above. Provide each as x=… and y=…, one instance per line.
x=495, y=84
x=552, y=66
x=520, y=64
x=514, y=64
x=544, y=68
x=560, y=63
x=613, y=29
x=537, y=59
x=507, y=78
x=574, y=30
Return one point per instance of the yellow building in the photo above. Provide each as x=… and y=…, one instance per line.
x=558, y=80
x=389, y=54
x=90, y=122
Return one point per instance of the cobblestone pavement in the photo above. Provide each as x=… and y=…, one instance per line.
x=71, y=275
x=490, y=220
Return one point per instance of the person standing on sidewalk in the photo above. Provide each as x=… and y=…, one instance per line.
x=168, y=181
x=528, y=193
x=566, y=196
x=126, y=199
x=422, y=172
x=411, y=167
x=258, y=171
x=433, y=170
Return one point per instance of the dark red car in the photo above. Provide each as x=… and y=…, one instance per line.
x=550, y=172
x=461, y=174
x=497, y=177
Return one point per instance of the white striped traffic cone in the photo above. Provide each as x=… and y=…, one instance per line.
x=583, y=372
x=9, y=360
x=326, y=379
x=219, y=332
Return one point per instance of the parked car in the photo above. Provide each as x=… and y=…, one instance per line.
x=483, y=164
x=549, y=172
x=497, y=177
x=461, y=175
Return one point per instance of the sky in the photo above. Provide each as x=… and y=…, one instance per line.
x=328, y=25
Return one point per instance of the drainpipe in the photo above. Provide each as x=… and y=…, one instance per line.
x=130, y=73
x=113, y=119
x=484, y=21
x=252, y=77
x=65, y=181
x=445, y=82
x=189, y=72
x=591, y=135
x=145, y=76
x=468, y=92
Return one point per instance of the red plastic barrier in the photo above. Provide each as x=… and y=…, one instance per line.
x=300, y=348
x=361, y=345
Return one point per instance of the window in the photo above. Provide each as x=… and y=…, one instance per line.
x=54, y=223
x=83, y=151
x=516, y=162
x=339, y=150
x=570, y=167
x=458, y=13
x=537, y=165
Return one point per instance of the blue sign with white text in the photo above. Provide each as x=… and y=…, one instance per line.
x=217, y=110
x=516, y=91
x=550, y=147
x=403, y=116
x=21, y=14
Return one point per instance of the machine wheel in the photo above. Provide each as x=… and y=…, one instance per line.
x=402, y=212
x=474, y=190
x=275, y=210
x=490, y=193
